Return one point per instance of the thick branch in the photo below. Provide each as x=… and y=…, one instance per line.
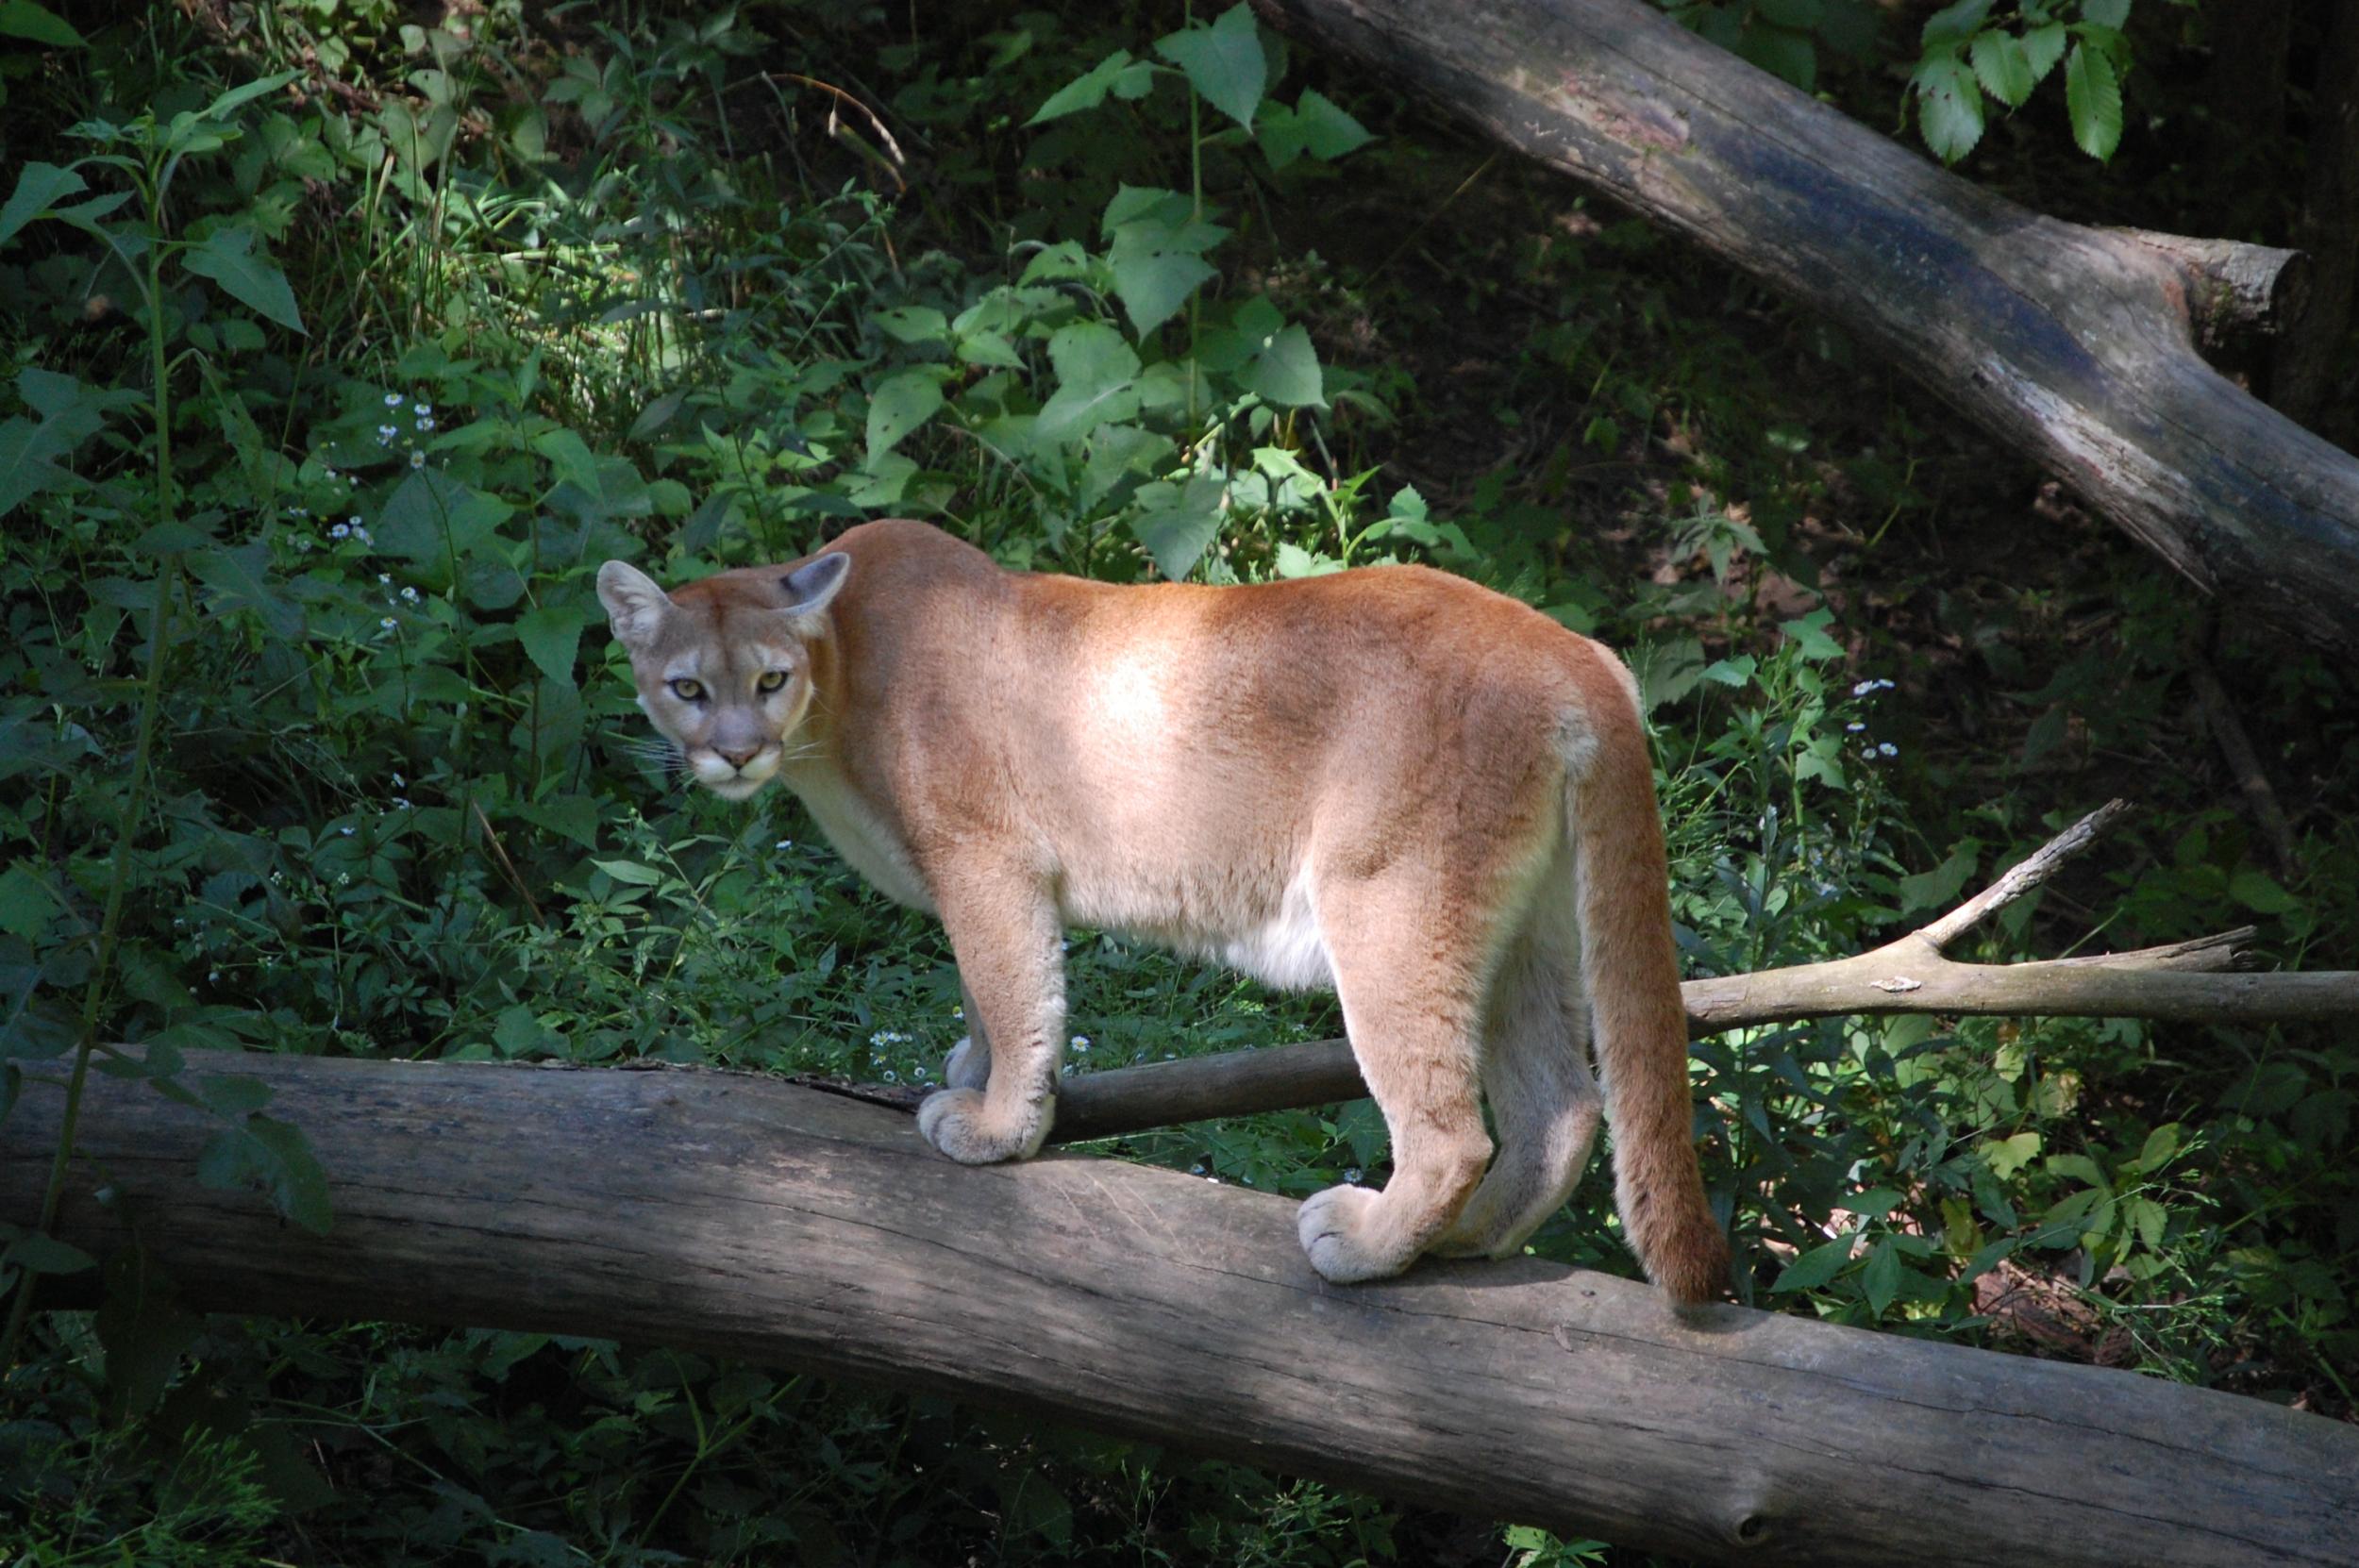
x=2073, y=344
x=761, y=1220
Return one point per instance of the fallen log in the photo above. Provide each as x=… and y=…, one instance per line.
x=761, y=1220
x=2074, y=346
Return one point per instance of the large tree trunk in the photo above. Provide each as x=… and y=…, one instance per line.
x=2075, y=345
x=753, y=1218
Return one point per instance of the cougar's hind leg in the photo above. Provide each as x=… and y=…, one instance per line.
x=968, y=1064
x=1414, y=1011
x=1003, y=930
x=1544, y=1100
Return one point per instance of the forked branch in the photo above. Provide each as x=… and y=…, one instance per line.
x=2203, y=980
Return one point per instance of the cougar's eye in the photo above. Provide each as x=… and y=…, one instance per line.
x=771, y=680
x=687, y=691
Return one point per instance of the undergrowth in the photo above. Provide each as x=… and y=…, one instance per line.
x=341, y=348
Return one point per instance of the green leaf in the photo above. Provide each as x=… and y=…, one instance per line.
x=25, y=470
x=2258, y=892
x=299, y=1187
x=552, y=635
x=1316, y=125
x=1286, y=372
x=235, y=577
x=1790, y=56
x=37, y=1254
x=1801, y=15
x=233, y=1094
x=1816, y=1267
x=1224, y=62
x=1086, y=90
x=2003, y=68
x=238, y=97
x=1881, y=1279
x=630, y=872
x=1937, y=888
x=2106, y=13
x=2093, y=96
x=1178, y=524
x=26, y=906
x=2150, y=1221
x=38, y=187
x=2006, y=1156
x=569, y=456
x=1949, y=106
x=434, y=519
x=901, y=403
x=1809, y=635
x=913, y=324
x=1953, y=23
x=1152, y=285
x=24, y=19
x=227, y=256
x=1096, y=373
x=2044, y=47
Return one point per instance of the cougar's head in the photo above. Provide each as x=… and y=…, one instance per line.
x=724, y=667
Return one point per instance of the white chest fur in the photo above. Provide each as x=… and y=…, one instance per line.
x=864, y=841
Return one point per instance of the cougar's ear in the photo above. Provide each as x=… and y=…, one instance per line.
x=811, y=586
x=635, y=606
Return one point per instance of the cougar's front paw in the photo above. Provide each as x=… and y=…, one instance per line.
x=959, y=1123
x=966, y=1066
x=1336, y=1228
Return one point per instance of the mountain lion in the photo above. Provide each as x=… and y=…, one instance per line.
x=1389, y=781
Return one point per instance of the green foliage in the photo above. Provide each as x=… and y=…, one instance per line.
x=342, y=350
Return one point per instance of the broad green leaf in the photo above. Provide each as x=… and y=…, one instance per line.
x=901, y=403
x=913, y=324
x=552, y=635
x=1178, y=524
x=238, y=97
x=2106, y=13
x=2148, y=1218
x=1086, y=90
x=25, y=470
x=2093, y=96
x=1881, y=1279
x=1286, y=372
x=1937, y=888
x=37, y=1254
x=1296, y=561
x=1949, y=106
x=299, y=1187
x=2161, y=1144
x=1224, y=62
x=2044, y=47
x=227, y=258
x=38, y=187
x=1809, y=635
x=1790, y=56
x=237, y=579
x=1153, y=284
x=26, y=906
x=1095, y=376
x=1816, y=1267
x=233, y=1094
x=569, y=456
x=2006, y=1156
x=24, y=19
x=2003, y=68
x=1315, y=125
x=1953, y=23
x=437, y=522
x=630, y=872
x=2257, y=891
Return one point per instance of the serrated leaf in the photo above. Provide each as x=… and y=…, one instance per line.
x=552, y=636
x=38, y=187
x=297, y=1185
x=1949, y=106
x=2044, y=47
x=2002, y=68
x=24, y=19
x=1153, y=284
x=1087, y=91
x=1224, y=62
x=569, y=456
x=1809, y=635
x=227, y=256
x=901, y=403
x=2106, y=13
x=2006, y=1156
x=2093, y=97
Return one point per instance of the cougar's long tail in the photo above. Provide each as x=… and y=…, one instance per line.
x=1623, y=897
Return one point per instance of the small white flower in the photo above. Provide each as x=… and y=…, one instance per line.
x=417, y=459
x=384, y=576
x=424, y=410
x=1352, y=1175
x=1888, y=749
x=392, y=400
x=892, y=1076
x=784, y=843
x=361, y=534
x=303, y=541
x=399, y=782
x=958, y=1014
x=340, y=531
x=1197, y=1169
x=213, y=974
x=1867, y=753
x=425, y=425
x=1081, y=1042
x=1863, y=688
x=384, y=434
x=345, y=832
x=387, y=622
x=411, y=594
x=1855, y=727
x=401, y=803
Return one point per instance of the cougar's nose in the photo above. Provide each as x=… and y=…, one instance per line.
x=737, y=758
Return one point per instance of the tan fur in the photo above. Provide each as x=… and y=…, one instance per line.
x=1390, y=781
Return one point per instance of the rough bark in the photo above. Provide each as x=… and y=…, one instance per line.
x=761, y=1220
x=2074, y=346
